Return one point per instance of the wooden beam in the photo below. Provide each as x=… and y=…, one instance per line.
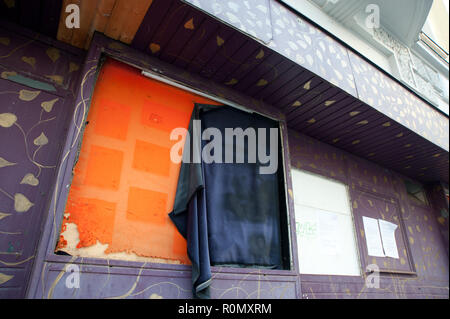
x=126, y=18
x=118, y=19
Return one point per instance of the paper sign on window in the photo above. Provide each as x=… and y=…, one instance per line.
x=380, y=237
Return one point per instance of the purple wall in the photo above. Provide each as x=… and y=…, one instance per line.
x=33, y=123
x=423, y=248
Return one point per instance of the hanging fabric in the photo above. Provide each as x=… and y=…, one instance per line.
x=228, y=212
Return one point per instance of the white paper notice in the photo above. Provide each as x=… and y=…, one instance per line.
x=387, y=231
x=328, y=227
x=373, y=239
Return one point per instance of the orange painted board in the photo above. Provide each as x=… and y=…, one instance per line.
x=124, y=183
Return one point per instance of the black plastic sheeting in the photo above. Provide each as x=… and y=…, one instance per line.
x=229, y=213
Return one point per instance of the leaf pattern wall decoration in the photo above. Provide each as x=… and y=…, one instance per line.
x=4, y=215
x=4, y=40
x=4, y=278
x=5, y=163
x=27, y=95
x=41, y=140
x=7, y=119
x=73, y=67
x=53, y=54
x=154, y=47
x=29, y=60
x=21, y=203
x=48, y=105
x=30, y=179
x=10, y=3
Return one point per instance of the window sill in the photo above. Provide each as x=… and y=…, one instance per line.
x=53, y=258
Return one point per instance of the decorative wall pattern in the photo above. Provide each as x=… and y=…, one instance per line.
x=390, y=98
x=32, y=122
x=311, y=48
x=370, y=184
x=251, y=17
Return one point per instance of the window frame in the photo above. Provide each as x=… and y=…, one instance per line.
x=364, y=257
x=353, y=222
x=96, y=55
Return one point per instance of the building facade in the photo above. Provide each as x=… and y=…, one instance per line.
x=360, y=104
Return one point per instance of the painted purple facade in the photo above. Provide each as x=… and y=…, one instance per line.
x=44, y=140
x=30, y=144
x=422, y=251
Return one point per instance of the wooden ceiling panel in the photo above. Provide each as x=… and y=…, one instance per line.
x=118, y=19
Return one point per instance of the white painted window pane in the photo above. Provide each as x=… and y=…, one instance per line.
x=324, y=226
x=320, y=192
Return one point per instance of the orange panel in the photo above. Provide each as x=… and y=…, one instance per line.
x=112, y=119
x=95, y=220
x=151, y=158
x=104, y=167
x=147, y=206
x=124, y=183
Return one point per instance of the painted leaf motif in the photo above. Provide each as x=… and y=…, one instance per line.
x=154, y=47
x=261, y=82
x=26, y=95
x=41, y=140
x=48, y=105
x=53, y=54
x=190, y=24
x=10, y=3
x=220, y=41
x=156, y=296
x=7, y=74
x=260, y=55
x=307, y=85
x=7, y=119
x=3, y=215
x=4, y=40
x=231, y=82
x=21, y=203
x=30, y=179
x=29, y=60
x=73, y=67
x=4, y=278
x=5, y=163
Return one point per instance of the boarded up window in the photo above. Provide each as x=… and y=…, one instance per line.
x=124, y=182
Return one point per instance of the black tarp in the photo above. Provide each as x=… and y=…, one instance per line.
x=228, y=212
